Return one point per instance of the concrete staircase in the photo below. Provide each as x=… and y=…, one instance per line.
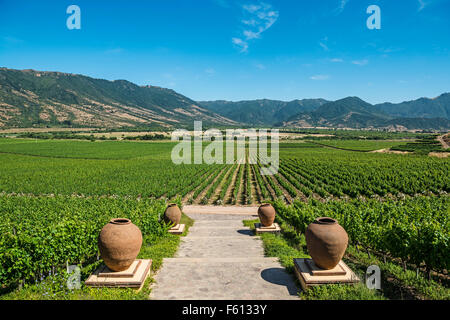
x=222, y=260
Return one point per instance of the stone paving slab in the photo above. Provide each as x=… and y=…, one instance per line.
x=216, y=247
x=220, y=259
x=219, y=223
x=206, y=217
x=221, y=232
x=226, y=210
x=210, y=279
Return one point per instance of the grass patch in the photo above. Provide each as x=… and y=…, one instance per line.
x=55, y=288
x=357, y=291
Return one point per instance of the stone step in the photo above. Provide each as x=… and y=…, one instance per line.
x=213, y=223
x=223, y=279
x=220, y=260
x=224, y=210
x=217, y=226
x=214, y=247
x=220, y=232
x=208, y=217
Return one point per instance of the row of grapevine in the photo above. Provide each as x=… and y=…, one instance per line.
x=226, y=184
x=416, y=230
x=291, y=177
x=207, y=181
x=39, y=235
x=237, y=184
x=265, y=194
x=212, y=189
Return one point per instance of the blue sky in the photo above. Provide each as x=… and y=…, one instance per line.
x=238, y=50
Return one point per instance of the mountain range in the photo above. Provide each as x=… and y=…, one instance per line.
x=37, y=98
x=30, y=98
x=350, y=112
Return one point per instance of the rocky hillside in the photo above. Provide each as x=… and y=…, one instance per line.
x=36, y=98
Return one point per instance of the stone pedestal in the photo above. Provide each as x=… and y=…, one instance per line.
x=310, y=275
x=133, y=277
x=178, y=229
x=274, y=228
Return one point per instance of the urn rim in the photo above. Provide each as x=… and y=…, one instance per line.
x=265, y=205
x=325, y=220
x=120, y=221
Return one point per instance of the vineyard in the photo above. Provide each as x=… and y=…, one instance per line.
x=144, y=169
x=39, y=236
x=415, y=230
x=55, y=195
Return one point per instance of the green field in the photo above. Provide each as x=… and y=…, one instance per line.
x=55, y=195
x=145, y=169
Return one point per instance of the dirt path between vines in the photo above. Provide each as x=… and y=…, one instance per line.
x=389, y=151
x=228, y=198
x=445, y=140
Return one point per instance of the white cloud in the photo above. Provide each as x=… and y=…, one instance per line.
x=324, y=46
x=422, y=5
x=336, y=60
x=320, y=77
x=251, y=22
x=360, y=62
x=252, y=8
x=257, y=19
x=260, y=66
x=210, y=71
x=240, y=43
x=251, y=35
x=341, y=6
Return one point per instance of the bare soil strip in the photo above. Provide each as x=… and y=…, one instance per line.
x=389, y=151
x=439, y=154
x=445, y=140
x=258, y=192
x=240, y=198
x=228, y=198
x=269, y=187
x=255, y=195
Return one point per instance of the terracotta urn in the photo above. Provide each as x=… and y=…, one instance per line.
x=119, y=243
x=266, y=214
x=172, y=214
x=326, y=241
